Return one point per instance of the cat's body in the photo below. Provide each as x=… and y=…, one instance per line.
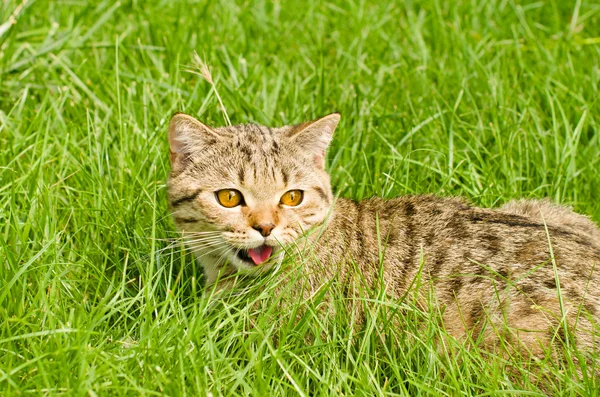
x=489, y=269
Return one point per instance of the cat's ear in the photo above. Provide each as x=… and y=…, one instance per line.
x=315, y=136
x=187, y=134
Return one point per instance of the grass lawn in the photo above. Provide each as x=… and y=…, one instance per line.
x=490, y=100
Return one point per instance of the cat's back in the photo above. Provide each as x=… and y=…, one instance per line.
x=422, y=219
x=446, y=236
x=501, y=265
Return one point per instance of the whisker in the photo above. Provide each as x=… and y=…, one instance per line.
x=222, y=257
x=200, y=231
x=201, y=241
x=192, y=236
x=183, y=238
x=166, y=240
x=187, y=232
x=203, y=249
x=199, y=244
x=211, y=251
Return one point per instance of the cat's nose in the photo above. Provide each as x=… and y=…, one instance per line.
x=264, y=229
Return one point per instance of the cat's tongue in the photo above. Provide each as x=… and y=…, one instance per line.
x=260, y=254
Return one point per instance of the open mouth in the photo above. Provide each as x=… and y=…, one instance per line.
x=256, y=255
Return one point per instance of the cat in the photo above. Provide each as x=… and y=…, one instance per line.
x=242, y=195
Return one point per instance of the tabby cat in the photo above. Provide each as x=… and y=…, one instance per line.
x=245, y=196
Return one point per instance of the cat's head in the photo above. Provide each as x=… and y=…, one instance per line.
x=240, y=194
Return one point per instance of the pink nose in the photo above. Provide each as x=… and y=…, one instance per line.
x=264, y=229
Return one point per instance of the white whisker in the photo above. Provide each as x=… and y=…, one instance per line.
x=201, y=241
x=196, y=243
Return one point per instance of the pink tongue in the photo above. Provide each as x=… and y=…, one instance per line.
x=260, y=254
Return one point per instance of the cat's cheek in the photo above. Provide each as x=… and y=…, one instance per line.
x=287, y=233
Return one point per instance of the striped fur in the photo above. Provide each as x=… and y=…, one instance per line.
x=489, y=268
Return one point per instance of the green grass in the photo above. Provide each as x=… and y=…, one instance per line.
x=491, y=100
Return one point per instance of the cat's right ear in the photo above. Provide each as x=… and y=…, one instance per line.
x=187, y=134
x=315, y=136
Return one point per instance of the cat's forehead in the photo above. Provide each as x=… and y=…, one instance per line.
x=253, y=141
x=255, y=157
x=252, y=133
x=247, y=130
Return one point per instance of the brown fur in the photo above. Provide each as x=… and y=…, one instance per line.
x=495, y=273
x=491, y=270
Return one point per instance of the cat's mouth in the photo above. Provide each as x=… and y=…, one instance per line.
x=256, y=255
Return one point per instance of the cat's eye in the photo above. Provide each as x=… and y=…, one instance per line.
x=292, y=198
x=230, y=198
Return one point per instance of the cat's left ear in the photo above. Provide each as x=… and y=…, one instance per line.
x=186, y=134
x=315, y=136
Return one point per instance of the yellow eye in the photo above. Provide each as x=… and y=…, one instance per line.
x=229, y=198
x=292, y=198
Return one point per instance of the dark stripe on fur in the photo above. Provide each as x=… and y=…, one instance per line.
x=275, y=148
x=477, y=318
x=408, y=262
x=285, y=176
x=517, y=220
x=454, y=284
x=438, y=261
x=360, y=236
x=186, y=199
x=186, y=220
x=322, y=193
